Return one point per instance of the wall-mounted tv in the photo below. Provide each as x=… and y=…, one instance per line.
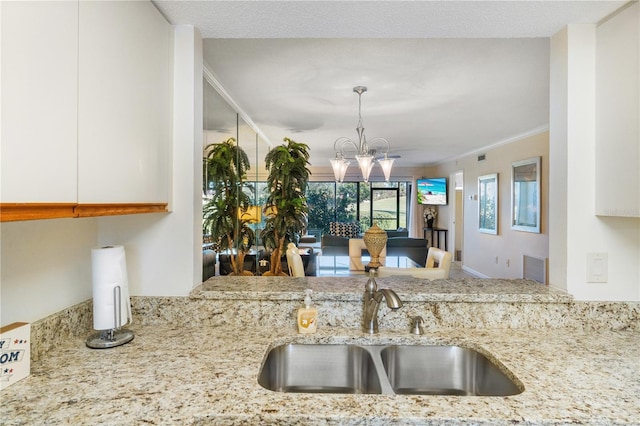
x=432, y=191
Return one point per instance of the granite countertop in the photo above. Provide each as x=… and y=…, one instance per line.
x=350, y=289
x=208, y=375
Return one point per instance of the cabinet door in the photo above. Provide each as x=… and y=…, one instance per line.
x=617, y=179
x=125, y=84
x=39, y=101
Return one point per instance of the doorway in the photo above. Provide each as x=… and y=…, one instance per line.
x=385, y=207
x=456, y=213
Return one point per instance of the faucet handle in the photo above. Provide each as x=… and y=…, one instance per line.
x=416, y=327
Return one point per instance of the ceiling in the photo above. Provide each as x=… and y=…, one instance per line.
x=445, y=78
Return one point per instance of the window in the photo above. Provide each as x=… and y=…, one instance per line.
x=488, y=203
x=525, y=198
x=385, y=207
x=386, y=202
x=321, y=199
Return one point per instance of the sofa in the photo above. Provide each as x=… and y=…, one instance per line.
x=208, y=257
x=334, y=245
x=414, y=248
x=208, y=264
x=336, y=242
x=400, y=232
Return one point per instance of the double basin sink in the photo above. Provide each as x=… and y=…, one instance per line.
x=383, y=369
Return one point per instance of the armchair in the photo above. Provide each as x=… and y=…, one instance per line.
x=356, y=245
x=440, y=259
x=294, y=261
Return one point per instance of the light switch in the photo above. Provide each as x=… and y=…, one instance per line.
x=597, y=267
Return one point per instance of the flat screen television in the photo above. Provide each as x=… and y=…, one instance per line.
x=432, y=191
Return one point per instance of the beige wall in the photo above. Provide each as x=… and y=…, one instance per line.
x=497, y=256
x=481, y=250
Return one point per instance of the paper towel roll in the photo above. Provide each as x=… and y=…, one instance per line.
x=109, y=270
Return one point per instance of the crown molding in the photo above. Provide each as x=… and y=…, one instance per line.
x=533, y=132
x=213, y=80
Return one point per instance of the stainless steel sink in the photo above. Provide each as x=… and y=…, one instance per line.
x=444, y=370
x=319, y=369
x=383, y=369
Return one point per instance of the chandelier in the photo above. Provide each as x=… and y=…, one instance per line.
x=364, y=152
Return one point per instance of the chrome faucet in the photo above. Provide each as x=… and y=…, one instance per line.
x=416, y=326
x=372, y=298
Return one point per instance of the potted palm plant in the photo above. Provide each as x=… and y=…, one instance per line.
x=287, y=184
x=226, y=169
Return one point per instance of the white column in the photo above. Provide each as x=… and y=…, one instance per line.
x=574, y=229
x=164, y=251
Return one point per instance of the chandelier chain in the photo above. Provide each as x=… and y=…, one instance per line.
x=364, y=154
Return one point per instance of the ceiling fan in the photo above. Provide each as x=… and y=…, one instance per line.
x=379, y=154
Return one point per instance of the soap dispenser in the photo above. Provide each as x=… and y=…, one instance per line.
x=307, y=316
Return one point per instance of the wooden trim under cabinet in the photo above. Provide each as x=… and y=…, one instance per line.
x=91, y=210
x=12, y=212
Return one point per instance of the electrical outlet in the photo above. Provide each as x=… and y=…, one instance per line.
x=496, y=260
x=597, y=267
x=508, y=263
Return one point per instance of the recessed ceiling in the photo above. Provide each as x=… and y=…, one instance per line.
x=445, y=78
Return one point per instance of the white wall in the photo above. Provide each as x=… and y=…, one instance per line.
x=45, y=266
x=572, y=134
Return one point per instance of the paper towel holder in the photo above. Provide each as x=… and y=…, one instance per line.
x=117, y=336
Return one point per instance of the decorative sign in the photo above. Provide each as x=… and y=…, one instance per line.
x=15, y=353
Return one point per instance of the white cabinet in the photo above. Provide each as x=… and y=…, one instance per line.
x=124, y=103
x=39, y=92
x=617, y=179
x=86, y=107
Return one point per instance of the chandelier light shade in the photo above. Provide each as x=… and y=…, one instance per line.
x=364, y=152
x=386, y=164
x=339, y=166
x=366, y=165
